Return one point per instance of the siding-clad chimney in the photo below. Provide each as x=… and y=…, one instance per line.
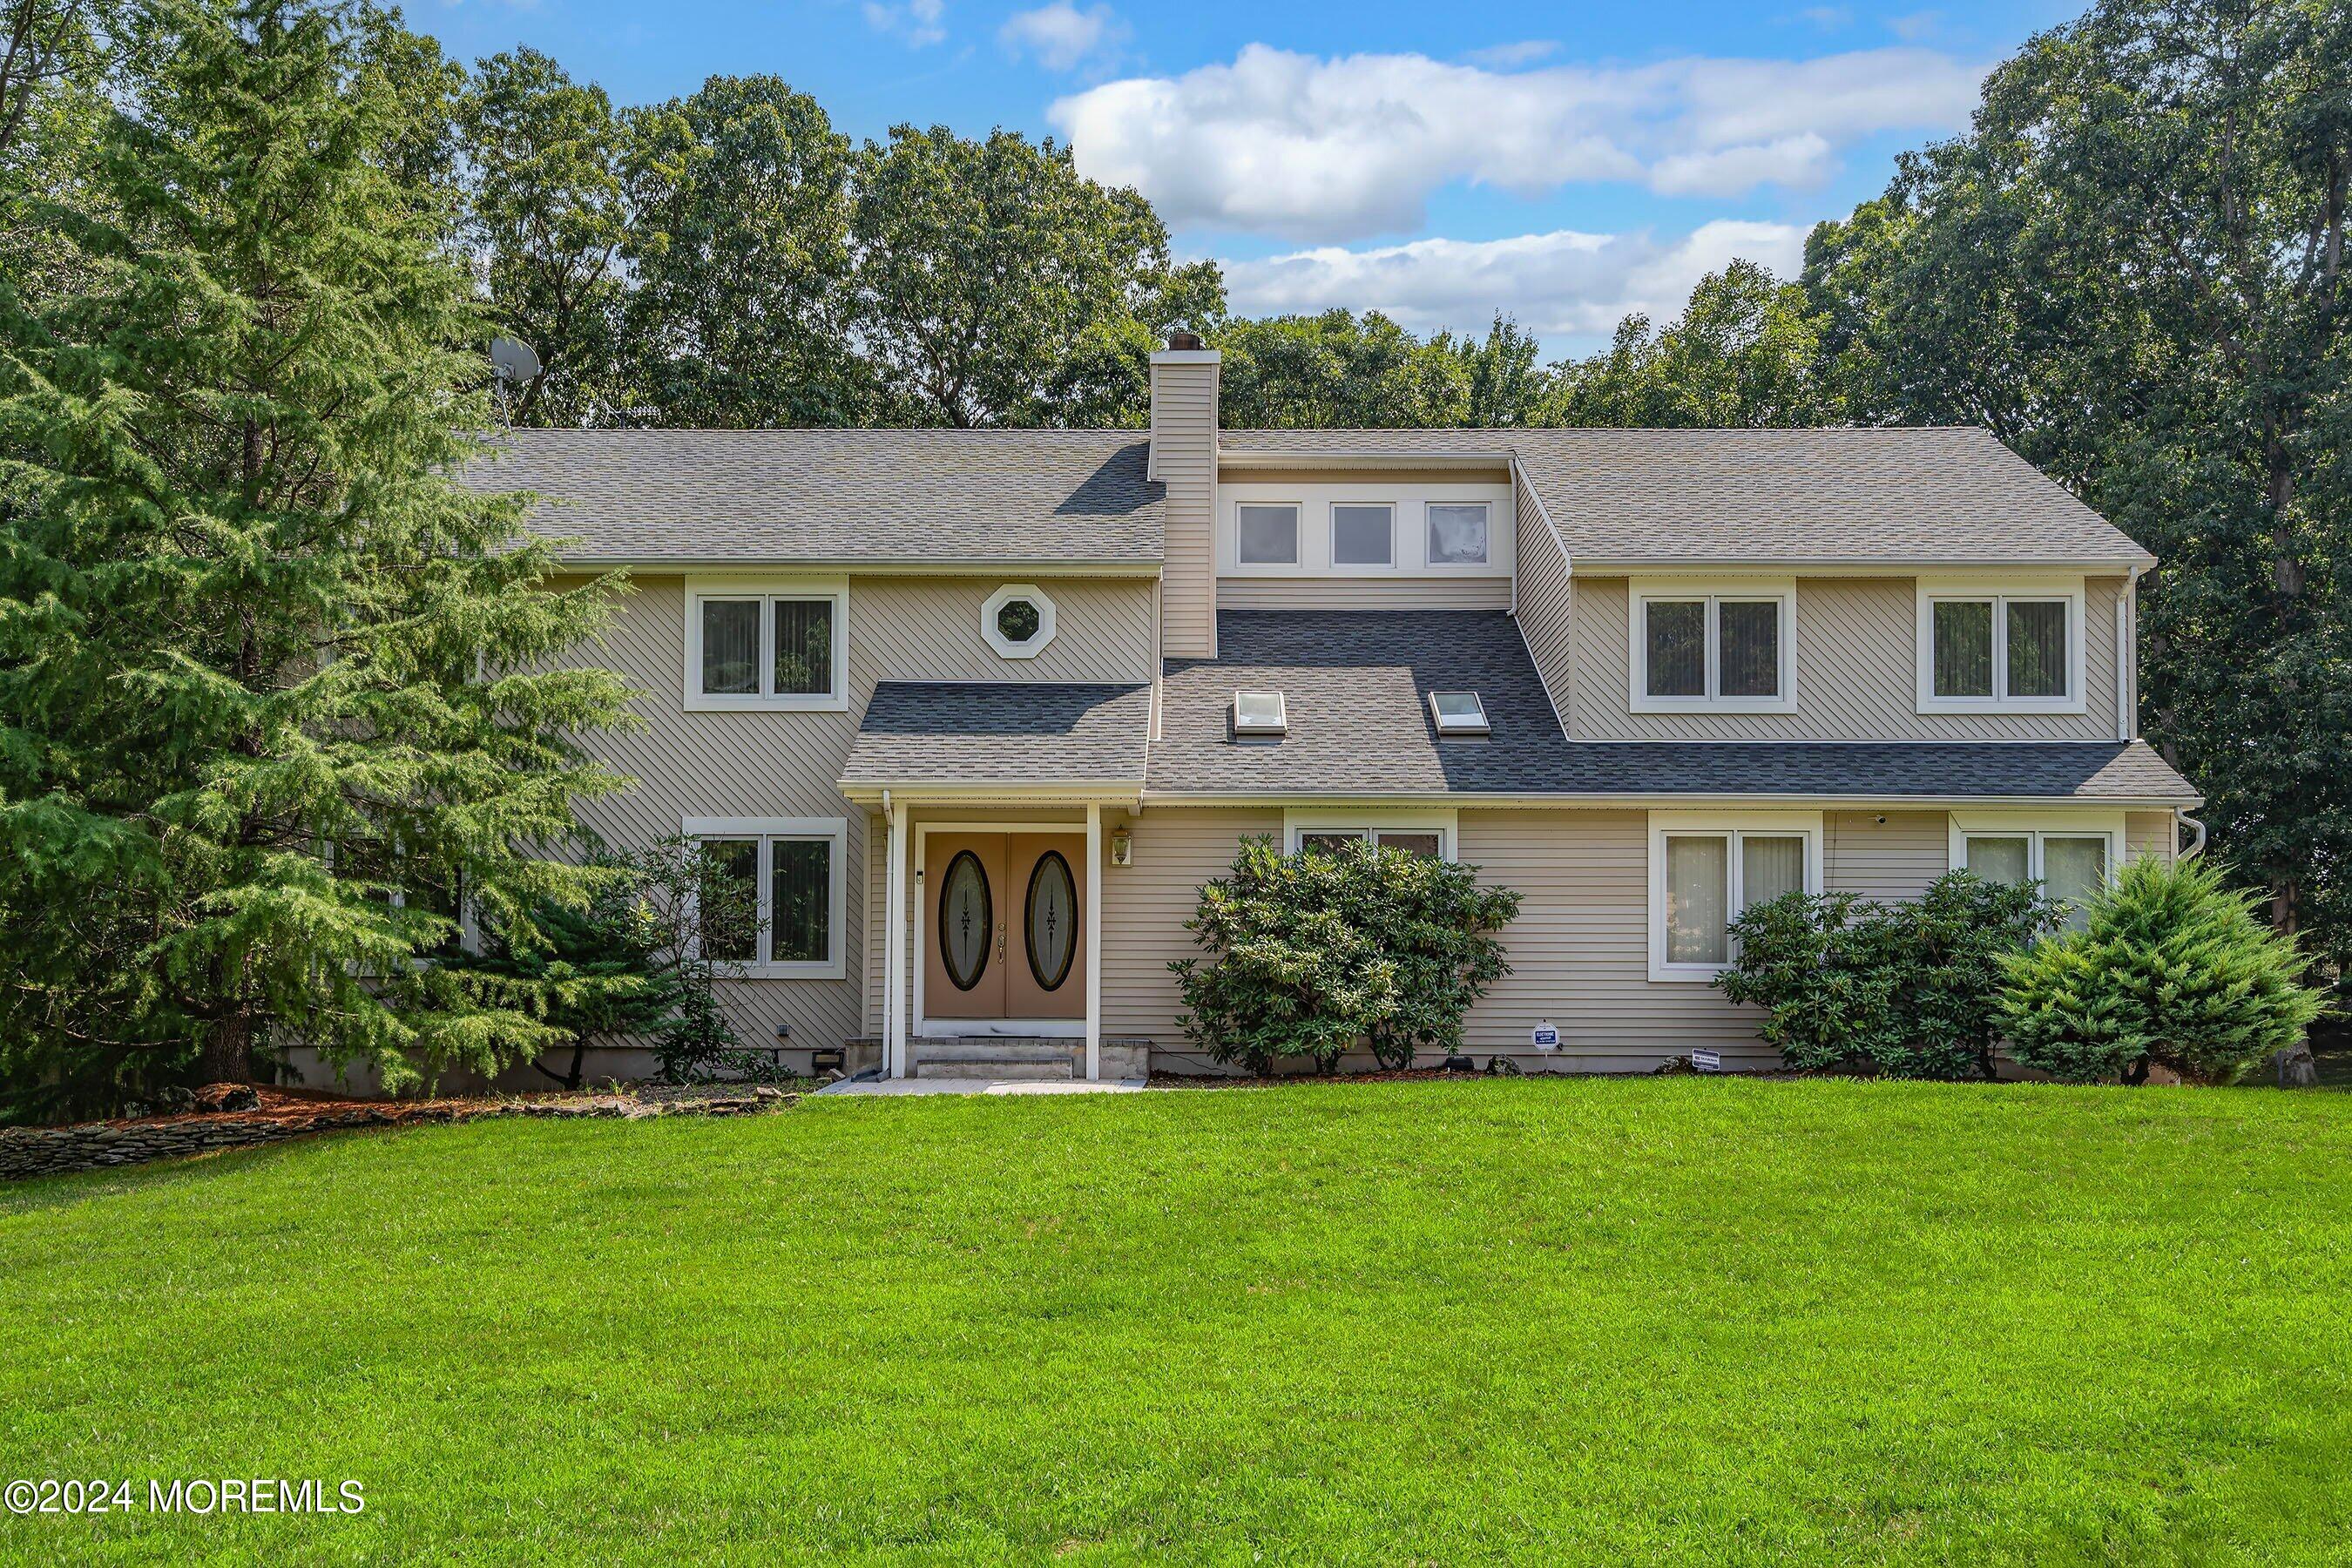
x=1184, y=458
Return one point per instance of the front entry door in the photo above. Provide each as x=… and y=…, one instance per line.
x=1005, y=934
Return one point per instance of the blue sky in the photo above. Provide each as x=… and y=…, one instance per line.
x=1566, y=165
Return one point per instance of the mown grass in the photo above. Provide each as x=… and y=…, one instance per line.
x=1634, y=1320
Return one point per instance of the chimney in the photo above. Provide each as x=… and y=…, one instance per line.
x=1184, y=460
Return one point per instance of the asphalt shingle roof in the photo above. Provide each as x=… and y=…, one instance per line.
x=1012, y=732
x=1948, y=494
x=1356, y=685
x=943, y=496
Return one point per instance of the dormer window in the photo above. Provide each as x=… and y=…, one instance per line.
x=1724, y=647
x=1260, y=715
x=1267, y=535
x=1458, y=714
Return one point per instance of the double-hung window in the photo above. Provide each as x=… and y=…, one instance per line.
x=2071, y=861
x=753, y=645
x=2000, y=651
x=1727, y=649
x=1706, y=870
x=791, y=871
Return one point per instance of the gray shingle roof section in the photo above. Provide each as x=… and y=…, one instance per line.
x=1012, y=732
x=1915, y=495
x=1357, y=684
x=883, y=495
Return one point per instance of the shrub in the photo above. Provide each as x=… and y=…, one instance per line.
x=2171, y=968
x=1906, y=988
x=1314, y=953
x=630, y=966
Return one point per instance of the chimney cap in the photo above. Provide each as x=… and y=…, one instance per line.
x=1184, y=342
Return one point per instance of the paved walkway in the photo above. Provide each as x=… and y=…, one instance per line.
x=983, y=1085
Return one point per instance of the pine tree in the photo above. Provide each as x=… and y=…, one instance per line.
x=276, y=694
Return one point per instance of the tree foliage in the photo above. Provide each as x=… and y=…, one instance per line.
x=1905, y=989
x=273, y=690
x=2171, y=969
x=1326, y=952
x=1746, y=351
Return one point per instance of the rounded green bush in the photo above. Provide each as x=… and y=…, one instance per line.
x=2171, y=968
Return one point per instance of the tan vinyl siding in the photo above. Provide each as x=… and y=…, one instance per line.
x=1855, y=661
x=1184, y=457
x=1886, y=860
x=2149, y=833
x=1397, y=592
x=1545, y=596
x=1580, y=948
x=1146, y=904
x=750, y=763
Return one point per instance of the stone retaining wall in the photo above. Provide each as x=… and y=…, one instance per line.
x=97, y=1145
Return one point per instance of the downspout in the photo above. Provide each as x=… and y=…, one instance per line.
x=2182, y=819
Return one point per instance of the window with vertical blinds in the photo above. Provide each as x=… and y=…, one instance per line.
x=1998, y=651
x=788, y=869
x=1695, y=648
x=749, y=648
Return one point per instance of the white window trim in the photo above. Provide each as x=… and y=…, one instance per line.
x=1460, y=568
x=699, y=589
x=1368, y=568
x=1409, y=506
x=2033, y=826
x=1641, y=591
x=1004, y=646
x=1730, y=825
x=1298, y=561
x=1930, y=591
x=1297, y=822
x=767, y=830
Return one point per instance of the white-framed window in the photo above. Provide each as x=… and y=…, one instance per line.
x=1459, y=533
x=1318, y=526
x=774, y=643
x=1017, y=621
x=1706, y=867
x=2071, y=854
x=1363, y=533
x=1720, y=647
x=1266, y=533
x=2011, y=646
x=1429, y=833
x=799, y=869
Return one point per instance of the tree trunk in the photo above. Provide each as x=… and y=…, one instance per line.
x=229, y=1052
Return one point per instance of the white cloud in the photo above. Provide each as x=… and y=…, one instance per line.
x=1562, y=285
x=1062, y=37
x=1916, y=25
x=1327, y=150
x=1505, y=57
x=918, y=21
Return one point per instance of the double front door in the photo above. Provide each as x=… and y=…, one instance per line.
x=1004, y=930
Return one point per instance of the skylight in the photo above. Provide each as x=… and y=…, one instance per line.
x=1259, y=713
x=1458, y=712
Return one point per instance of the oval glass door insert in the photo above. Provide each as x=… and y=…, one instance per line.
x=967, y=917
x=1052, y=927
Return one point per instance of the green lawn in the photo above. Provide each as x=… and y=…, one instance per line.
x=1654, y=1320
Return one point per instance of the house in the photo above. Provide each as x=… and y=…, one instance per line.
x=978, y=712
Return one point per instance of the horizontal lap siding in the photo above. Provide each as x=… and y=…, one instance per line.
x=1856, y=661
x=1363, y=593
x=1580, y=948
x=1893, y=860
x=2150, y=833
x=1185, y=455
x=1146, y=904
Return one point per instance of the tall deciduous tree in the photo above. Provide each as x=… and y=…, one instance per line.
x=549, y=216
x=997, y=286
x=1338, y=370
x=1746, y=351
x=2133, y=268
x=741, y=315
x=275, y=693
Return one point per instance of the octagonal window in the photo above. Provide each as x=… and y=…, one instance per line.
x=1018, y=621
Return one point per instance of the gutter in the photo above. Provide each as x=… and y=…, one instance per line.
x=1657, y=801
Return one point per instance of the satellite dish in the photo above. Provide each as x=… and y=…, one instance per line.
x=512, y=359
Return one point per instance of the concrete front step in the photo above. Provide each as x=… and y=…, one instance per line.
x=995, y=1050
x=998, y=1072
